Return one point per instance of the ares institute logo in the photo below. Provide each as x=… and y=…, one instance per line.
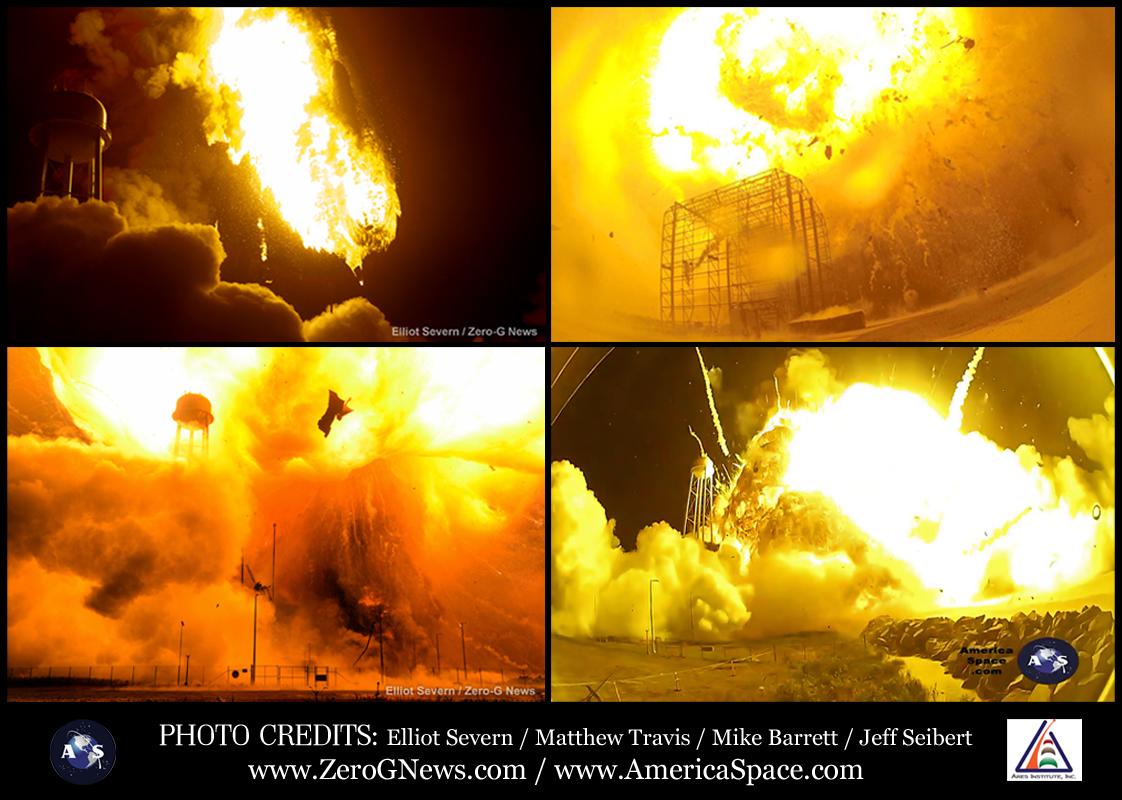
x=83, y=752
x=1049, y=750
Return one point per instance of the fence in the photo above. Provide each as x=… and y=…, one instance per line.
x=263, y=676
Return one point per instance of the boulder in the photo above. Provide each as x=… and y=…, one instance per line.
x=1069, y=689
x=1102, y=623
x=1088, y=690
x=1041, y=694
x=993, y=687
x=1083, y=642
x=1089, y=614
x=1018, y=696
x=938, y=649
x=1104, y=659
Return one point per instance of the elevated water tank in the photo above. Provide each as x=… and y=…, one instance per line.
x=72, y=129
x=193, y=411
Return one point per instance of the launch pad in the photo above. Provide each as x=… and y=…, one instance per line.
x=745, y=257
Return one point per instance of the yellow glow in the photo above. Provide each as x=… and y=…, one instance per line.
x=334, y=189
x=476, y=405
x=972, y=520
x=735, y=91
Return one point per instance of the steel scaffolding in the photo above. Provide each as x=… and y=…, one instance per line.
x=744, y=257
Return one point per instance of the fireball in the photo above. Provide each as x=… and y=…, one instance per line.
x=737, y=91
x=277, y=81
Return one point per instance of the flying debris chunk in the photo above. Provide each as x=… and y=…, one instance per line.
x=337, y=408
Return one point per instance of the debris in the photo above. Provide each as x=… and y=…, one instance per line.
x=829, y=152
x=337, y=408
x=611, y=234
x=964, y=41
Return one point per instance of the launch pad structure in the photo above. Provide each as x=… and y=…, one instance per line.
x=745, y=257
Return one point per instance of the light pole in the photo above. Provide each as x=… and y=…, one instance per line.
x=691, y=615
x=187, y=672
x=464, y=648
x=253, y=666
x=650, y=600
x=178, y=663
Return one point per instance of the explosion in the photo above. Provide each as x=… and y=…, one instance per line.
x=421, y=510
x=279, y=90
x=857, y=501
x=949, y=151
x=738, y=91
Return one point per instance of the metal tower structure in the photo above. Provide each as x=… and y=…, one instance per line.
x=746, y=256
x=193, y=412
x=72, y=129
x=699, y=503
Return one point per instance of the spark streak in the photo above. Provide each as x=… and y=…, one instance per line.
x=712, y=405
x=1106, y=362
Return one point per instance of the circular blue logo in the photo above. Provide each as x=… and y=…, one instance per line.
x=1048, y=660
x=83, y=752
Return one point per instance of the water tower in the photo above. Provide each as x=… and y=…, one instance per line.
x=699, y=504
x=72, y=129
x=193, y=412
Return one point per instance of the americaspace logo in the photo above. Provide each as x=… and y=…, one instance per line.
x=83, y=752
x=1048, y=749
x=1048, y=660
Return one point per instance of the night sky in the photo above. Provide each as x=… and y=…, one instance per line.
x=627, y=427
x=448, y=91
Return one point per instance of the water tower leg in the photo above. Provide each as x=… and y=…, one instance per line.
x=46, y=162
x=97, y=177
x=178, y=431
x=69, y=178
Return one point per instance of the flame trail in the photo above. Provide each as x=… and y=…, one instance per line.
x=274, y=81
x=699, y=444
x=955, y=418
x=712, y=405
x=1106, y=362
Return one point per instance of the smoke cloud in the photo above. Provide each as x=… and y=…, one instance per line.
x=356, y=320
x=598, y=589
x=394, y=522
x=77, y=268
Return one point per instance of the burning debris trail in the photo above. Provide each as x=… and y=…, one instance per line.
x=959, y=401
x=712, y=404
x=421, y=512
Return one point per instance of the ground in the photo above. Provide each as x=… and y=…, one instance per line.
x=809, y=666
x=1069, y=298
x=143, y=694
